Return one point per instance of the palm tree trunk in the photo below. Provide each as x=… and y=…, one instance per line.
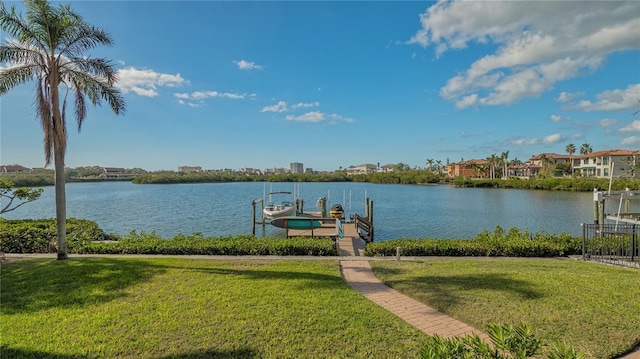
x=61, y=204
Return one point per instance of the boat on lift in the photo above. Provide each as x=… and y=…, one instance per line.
x=284, y=208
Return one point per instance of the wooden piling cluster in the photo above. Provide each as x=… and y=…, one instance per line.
x=359, y=226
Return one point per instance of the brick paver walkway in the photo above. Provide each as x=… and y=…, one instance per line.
x=358, y=274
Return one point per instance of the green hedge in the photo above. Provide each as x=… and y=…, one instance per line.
x=84, y=236
x=39, y=235
x=151, y=243
x=514, y=243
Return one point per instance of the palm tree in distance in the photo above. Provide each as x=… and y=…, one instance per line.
x=504, y=157
x=570, y=149
x=49, y=47
x=585, y=149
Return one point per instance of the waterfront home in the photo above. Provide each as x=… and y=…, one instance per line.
x=603, y=164
x=469, y=168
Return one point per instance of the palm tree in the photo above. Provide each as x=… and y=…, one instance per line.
x=439, y=166
x=49, y=47
x=430, y=164
x=570, y=149
x=585, y=149
x=504, y=157
x=493, y=161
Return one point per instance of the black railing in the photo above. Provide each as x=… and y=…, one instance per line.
x=365, y=228
x=615, y=242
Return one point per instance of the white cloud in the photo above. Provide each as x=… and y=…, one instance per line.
x=525, y=142
x=536, y=46
x=279, y=107
x=305, y=105
x=612, y=100
x=558, y=118
x=203, y=95
x=146, y=82
x=567, y=96
x=633, y=127
x=246, y=65
x=337, y=117
x=314, y=116
x=607, y=122
x=633, y=140
x=555, y=138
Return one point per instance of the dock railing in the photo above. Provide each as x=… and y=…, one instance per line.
x=327, y=222
x=611, y=242
x=363, y=223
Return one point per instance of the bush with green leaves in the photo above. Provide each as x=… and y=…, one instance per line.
x=514, y=243
x=84, y=236
x=39, y=235
x=151, y=243
x=507, y=342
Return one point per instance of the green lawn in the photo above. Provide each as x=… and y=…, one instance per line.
x=595, y=308
x=187, y=308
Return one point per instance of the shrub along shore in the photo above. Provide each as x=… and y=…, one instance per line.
x=86, y=237
x=407, y=176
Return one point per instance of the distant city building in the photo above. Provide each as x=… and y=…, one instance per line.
x=308, y=170
x=189, y=169
x=275, y=171
x=297, y=167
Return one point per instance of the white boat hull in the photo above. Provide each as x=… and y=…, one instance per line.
x=278, y=211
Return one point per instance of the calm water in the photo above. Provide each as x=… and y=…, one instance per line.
x=399, y=210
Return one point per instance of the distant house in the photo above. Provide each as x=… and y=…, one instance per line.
x=189, y=169
x=534, y=165
x=526, y=170
x=362, y=169
x=550, y=158
x=603, y=164
x=250, y=171
x=469, y=168
x=13, y=168
x=386, y=168
x=115, y=173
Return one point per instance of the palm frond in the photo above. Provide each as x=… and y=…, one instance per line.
x=18, y=27
x=80, y=106
x=43, y=105
x=19, y=53
x=97, y=67
x=14, y=76
x=96, y=89
x=84, y=38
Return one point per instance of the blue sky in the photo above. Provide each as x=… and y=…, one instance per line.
x=335, y=84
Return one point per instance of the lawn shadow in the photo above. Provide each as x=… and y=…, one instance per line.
x=16, y=353
x=302, y=278
x=447, y=289
x=244, y=353
x=47, y=283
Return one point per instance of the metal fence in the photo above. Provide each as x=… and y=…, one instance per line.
x=611, y=242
